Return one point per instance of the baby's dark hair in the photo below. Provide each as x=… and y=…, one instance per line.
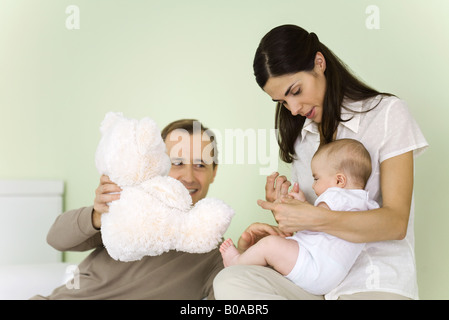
x=349, y=156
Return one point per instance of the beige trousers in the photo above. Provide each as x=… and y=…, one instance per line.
x=262, y=283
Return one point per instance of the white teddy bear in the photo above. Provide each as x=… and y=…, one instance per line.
x=154, y=213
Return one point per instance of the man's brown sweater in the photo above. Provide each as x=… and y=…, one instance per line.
x=172, y=275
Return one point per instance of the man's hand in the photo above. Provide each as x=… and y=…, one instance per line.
x=106, y=192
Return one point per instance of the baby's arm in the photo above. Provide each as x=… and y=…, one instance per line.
x=323, y=205
x=296, y=193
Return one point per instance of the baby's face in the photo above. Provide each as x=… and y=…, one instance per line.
x=324, y=175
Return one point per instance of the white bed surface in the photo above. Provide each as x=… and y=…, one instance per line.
x=21, y=282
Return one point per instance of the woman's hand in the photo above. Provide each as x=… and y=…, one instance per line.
x=276, y=186
x=106, y=192
x=257, y=231
x=292, y=214
x=277, y=193
x=386, y=223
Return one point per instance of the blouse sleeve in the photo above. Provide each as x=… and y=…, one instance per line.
x=402, y=133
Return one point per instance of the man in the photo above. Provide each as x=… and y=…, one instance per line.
x=172, y=275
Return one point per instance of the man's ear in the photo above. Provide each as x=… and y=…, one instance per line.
x=341, y=180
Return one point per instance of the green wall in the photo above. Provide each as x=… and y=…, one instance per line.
x=176, y=59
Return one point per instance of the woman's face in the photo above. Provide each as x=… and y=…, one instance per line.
x=301, y=93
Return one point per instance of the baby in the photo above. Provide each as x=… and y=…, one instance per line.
x=316, y=261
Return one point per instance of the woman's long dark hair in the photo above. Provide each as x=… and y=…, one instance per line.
x=290, y=49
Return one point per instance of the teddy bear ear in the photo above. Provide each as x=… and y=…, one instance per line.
x=148, y=136
x=109, y=119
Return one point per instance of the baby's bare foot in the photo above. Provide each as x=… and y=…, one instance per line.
x=229, y=253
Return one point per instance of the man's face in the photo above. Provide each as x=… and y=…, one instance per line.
x=189, y=164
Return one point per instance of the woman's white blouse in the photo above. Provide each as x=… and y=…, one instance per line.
x=386, y=131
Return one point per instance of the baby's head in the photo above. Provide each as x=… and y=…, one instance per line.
x=343, y=163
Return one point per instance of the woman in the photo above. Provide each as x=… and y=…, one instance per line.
x=318, y=101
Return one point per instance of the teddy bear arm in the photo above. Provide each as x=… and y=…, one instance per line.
x=169, y=191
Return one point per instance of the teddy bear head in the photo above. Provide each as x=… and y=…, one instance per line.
x=130, y=151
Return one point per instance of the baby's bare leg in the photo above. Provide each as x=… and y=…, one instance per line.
x=229, y=253
x=275, y=251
